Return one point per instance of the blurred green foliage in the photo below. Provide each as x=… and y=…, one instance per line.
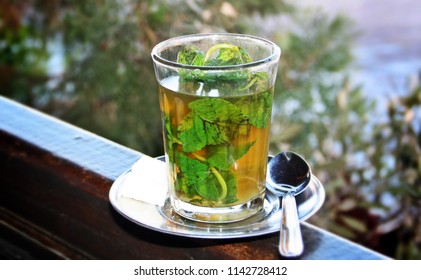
x=88, y=62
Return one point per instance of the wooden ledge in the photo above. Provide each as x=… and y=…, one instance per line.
x=54, y=186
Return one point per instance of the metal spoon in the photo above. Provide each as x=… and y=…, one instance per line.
x=288, y=175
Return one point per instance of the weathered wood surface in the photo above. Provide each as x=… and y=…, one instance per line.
x=54, y=186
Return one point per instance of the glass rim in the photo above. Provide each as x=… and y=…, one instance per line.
x=273, y=57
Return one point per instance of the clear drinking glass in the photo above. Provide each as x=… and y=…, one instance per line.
x=215, y=93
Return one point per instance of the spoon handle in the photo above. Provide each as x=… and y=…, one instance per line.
x=290, y=242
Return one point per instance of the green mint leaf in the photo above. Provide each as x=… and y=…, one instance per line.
x=223, y=157
x=220, y=186
x=217, y=110
x=199, y=60
x=258, y=82
x=215, y=187
x=232, y=182
x=215, y=121
x=194, y=171
x=196, y=133
x=209, y=189
x=218, y=55
x=245, y=56
x=170, y=132
x=216, y=134
x=190, y=55
x=181, y=185
x=192, y=133
x=220, y=121
x=238, y=78
x=198, y=177
x=169, y=136
x=260, y=113
x=227, y=55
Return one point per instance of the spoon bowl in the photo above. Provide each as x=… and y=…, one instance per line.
x=288, y=175
x=288, y=172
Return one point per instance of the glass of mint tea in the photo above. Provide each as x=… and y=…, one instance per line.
x=215, y=94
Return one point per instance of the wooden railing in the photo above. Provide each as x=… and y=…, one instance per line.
x=54, y=185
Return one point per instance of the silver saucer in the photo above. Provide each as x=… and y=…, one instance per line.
x=164, y=219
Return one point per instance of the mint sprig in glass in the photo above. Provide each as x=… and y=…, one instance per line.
x=216, y=95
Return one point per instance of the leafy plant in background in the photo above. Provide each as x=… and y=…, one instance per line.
x=105, y=83
x=23, y=55
x=397, y=173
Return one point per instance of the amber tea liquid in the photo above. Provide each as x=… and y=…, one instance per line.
x=228, y=169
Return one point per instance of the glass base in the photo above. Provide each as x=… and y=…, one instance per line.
x=227, y=214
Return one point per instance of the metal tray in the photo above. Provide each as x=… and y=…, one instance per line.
x=164, y=219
